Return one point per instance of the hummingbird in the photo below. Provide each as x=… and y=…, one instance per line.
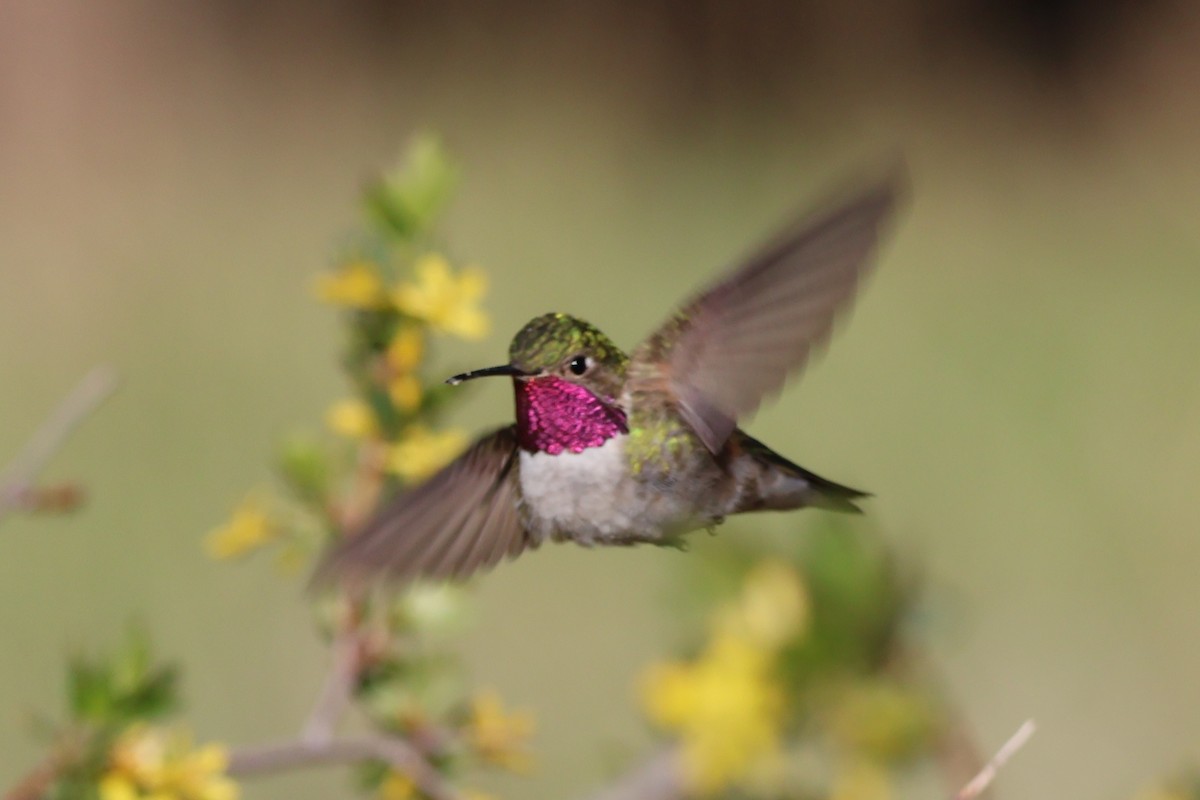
x=610, y=448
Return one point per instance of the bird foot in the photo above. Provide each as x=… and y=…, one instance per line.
x=675, y=542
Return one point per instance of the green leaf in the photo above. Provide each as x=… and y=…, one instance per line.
x=370, y=775
x=121, y=688
x=304, y=466
x=406, y=201
x=859, y=599
x=89, y=690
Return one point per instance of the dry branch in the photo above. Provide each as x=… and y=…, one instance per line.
x=984, y=779
x=298, y=753
x=18, y=478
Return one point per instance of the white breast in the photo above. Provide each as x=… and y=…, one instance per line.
x=589, y=497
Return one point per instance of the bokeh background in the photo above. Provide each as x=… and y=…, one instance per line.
x=1020, y=386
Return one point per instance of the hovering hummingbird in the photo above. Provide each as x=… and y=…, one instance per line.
x=616, y=449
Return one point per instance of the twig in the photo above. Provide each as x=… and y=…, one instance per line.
x=956, y=751
x=34, y=784
x=657, y=778
x=336, y=692
x=85, y=398
x=955, y=748
x=302, y=753
x=986, y=775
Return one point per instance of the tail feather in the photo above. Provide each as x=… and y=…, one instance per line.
x=824, y=493
x=783, y=484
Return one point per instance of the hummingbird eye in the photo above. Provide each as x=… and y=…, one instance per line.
x=579, y=365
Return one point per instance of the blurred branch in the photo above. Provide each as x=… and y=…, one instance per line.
x=956, y=750
x=657, y=778
x=980, y=782
x=316, y=745
x=337, y=691
x=17, y=480
x=34, y=784
x=296, y=753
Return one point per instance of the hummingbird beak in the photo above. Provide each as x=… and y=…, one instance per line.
x=503, y=369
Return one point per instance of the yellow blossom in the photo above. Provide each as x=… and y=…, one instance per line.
x=404, y=355
x=421, y=452
x=475, y=794
x=355, y=284
x=248, y=529
x=117, y=787
x=883, y=720
x=498, y=736
x=726, y=707
x=152, y=764
x=446, y=302
x=396, y=786
x=352, y=418
x=860, y=779
x=406, y=349
x=405, y=391
x=773, y=606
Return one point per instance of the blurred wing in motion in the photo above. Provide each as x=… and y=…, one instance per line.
x=462, y=520
x=736, y=341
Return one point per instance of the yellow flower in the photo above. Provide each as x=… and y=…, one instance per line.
x=883, y=721
x=248, y=529
x=406, y=349
x=405, y=391
x=152, y=764
x=396, y=786
x=404, y=355
x=475, y=794
x=117, y=787
x=355, y=284
x=772, y=608
x=353, y=419
x=200, y=774
x=421, y=452
x=861, y=780
x=446, y=302
x=726, y=707
x=498, y=736
x=138, y=755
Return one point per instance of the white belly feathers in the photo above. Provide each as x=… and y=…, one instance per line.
x=590, y=498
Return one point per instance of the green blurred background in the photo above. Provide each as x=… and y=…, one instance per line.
x=1020, y=385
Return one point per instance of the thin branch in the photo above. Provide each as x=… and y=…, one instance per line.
x=956, y=749
x=336, y=692
x=18, y=477
x=986, y=775
x=297, y=753
x=657, y=778
x=35, y=783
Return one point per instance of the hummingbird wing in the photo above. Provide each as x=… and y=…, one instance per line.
x=737, y=340
x=461, y=520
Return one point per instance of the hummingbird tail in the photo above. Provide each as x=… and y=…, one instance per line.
x=782, y=485
x=824, y=493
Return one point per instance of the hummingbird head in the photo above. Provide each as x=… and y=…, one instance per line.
x=561, y=345
x=564, y=347
x=568, y=378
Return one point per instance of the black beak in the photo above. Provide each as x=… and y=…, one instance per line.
x=503, y=369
